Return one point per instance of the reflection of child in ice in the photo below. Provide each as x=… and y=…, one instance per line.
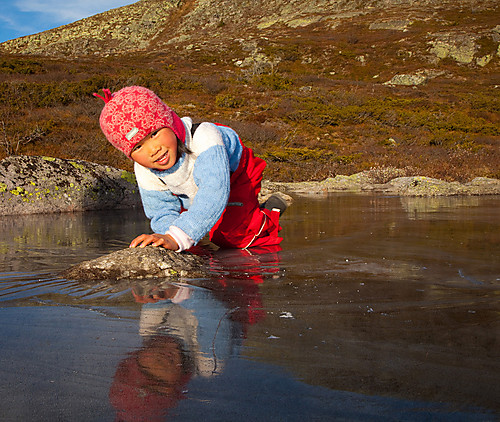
x=151, y=380
x=186, y=333
x=194, y=316
x=190, y=331
x=193, y=179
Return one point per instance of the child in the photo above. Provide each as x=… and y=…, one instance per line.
x=193, y=179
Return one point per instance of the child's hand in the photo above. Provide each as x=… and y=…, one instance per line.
x=155, y=239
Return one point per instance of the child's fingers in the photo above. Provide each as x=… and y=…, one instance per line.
x=159, y=242
x=149, y=239
x=134, y=242
x=152, y=239
x=142, y=241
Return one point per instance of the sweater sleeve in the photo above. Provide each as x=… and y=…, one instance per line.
x=212, y=176
x=161, y=207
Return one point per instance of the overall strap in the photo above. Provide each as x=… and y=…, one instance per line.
x=194, y=127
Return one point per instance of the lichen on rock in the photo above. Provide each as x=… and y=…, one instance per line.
x=34, y=184
x=129, y=27
x=393, y=25
x=459, y=47
x=403, y=186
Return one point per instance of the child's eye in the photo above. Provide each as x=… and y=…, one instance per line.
x=153, y=134
x=137, y=147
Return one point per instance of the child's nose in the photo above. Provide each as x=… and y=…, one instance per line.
x=154, y=148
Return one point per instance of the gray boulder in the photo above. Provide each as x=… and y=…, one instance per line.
x=138, y=263
x=33, y=184
x=457, y=46
x=367, y=181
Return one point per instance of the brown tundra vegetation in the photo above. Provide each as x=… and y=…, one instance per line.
x=412, y=95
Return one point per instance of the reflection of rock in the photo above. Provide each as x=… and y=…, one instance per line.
x=427, y=186
x=421, y=208
x=30, y=184
x=134, y=263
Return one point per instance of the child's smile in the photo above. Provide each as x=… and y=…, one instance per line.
x=163, y=160
x=157, y=150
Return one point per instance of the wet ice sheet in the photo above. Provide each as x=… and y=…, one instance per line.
x=375, y=308
x=387, y=301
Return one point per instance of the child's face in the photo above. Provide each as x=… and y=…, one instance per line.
x=157, y=151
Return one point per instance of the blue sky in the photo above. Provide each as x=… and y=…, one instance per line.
x=26, y=17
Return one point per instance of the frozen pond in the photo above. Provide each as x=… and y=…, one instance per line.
x=376, y=308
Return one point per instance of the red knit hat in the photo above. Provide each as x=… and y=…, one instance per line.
x=132, y=113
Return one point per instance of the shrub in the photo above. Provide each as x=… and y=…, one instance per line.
x=229, y=101
x=21, y=66
x=273, y=81
x=385, y=174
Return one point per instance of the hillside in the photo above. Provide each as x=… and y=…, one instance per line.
x=317, y=88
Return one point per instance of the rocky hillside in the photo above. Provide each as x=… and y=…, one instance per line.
x=467, y=31
x=317, y=88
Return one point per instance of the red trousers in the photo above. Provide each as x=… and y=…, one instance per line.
x=243, y=223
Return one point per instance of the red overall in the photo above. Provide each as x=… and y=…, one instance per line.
x=243, y=223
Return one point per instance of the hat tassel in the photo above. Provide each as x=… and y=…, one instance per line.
x=107, y=95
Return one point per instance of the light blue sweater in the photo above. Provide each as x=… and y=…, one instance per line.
x=198, y=182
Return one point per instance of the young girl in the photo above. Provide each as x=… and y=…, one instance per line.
x=193, y=179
